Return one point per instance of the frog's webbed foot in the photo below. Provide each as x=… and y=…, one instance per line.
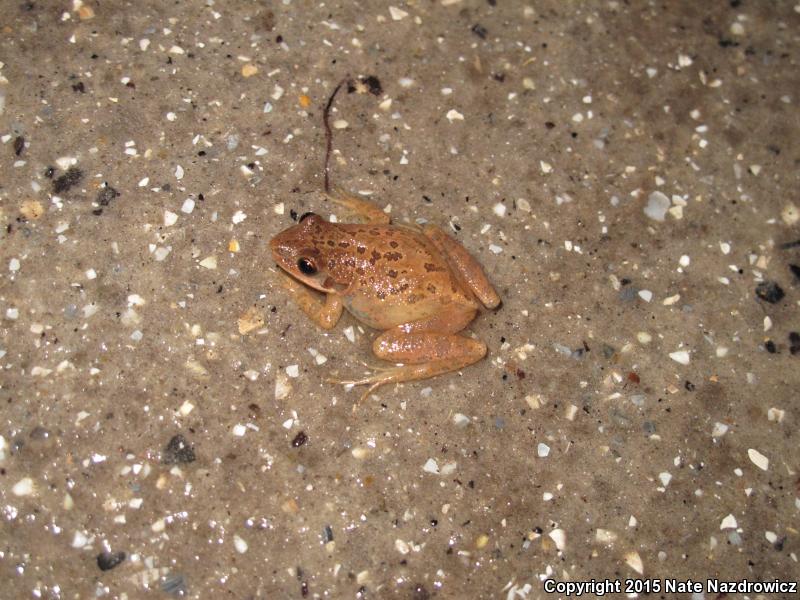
x=360, y=207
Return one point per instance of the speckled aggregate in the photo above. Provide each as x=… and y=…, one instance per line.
x=625, y=172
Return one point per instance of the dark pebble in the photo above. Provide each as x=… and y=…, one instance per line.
x=106, y=195
x=175, y=585
x=770, y=346
x=420, y=593
x=769, y=291
x=787, y=245
x=108, y=560
x=19, y=145
x=178, y=451
x=480, y=31
x=795, y=269
x=68, y=180
x=300, y=439
x=327, y=534
x=794, y=343
x=374, y=85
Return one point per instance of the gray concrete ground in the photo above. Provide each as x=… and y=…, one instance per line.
x=627, y=173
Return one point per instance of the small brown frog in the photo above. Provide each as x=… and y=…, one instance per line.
x=419, y=286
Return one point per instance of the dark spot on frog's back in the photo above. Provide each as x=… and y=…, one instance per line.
x=393, y=244
x=392, y=273
x=430, y=268
x=342, y=244
x=375, y=255
x=431, y=288
x=392, y=255
x=361, y=249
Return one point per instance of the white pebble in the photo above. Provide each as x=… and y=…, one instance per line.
x=239, y=430
x=209, y=262
x=282, y=387
x=170, y=218
x=238, y=217
x=685, y=261
x=239, y=544
x=729, y=522
x=188, y=206
x=144, y=181
x=454, y=115
x=397, y=14
x=460, y=420
x=680, y=356
x=24, y=487
x=657, y=206
x=646, y=295
x=431, y=466
x=13, y=265
x=349, y=333
x=559, y=537
x=771, y=536
x=79, y=540
x=758, y=459
x=12, y=314
x=499, y=209
x=542, y=450
x=340, y=124
x=719, y=430
x=293, y=371
x=665, y=477
x=178, y=172
x=634, y=561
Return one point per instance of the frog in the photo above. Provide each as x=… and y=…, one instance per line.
x=416, y=285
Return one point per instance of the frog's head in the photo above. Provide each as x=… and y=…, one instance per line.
x=299, y=251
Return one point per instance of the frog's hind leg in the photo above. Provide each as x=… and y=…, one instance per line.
x=466, y=266
x=423, y=353
x=362, y=208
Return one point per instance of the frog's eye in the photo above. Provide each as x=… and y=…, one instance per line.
x=306, y=266
x=306, y=215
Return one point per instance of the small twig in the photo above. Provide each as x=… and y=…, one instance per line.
x=329, y=134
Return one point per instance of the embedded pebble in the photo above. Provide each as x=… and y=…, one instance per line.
x=758, y=459
x=657, y=206
x=729, y=522
x=680, y=356
x=24, y=487
x=628, y=206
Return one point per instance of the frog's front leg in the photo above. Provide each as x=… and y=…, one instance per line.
x=467, y=267
x=325, y=314
x=369, y=211
x=423, y=353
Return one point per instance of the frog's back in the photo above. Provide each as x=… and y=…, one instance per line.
x=398, y=276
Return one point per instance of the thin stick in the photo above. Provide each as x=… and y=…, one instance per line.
x=329, y=134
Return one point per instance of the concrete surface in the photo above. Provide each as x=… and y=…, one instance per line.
x=626, y=172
